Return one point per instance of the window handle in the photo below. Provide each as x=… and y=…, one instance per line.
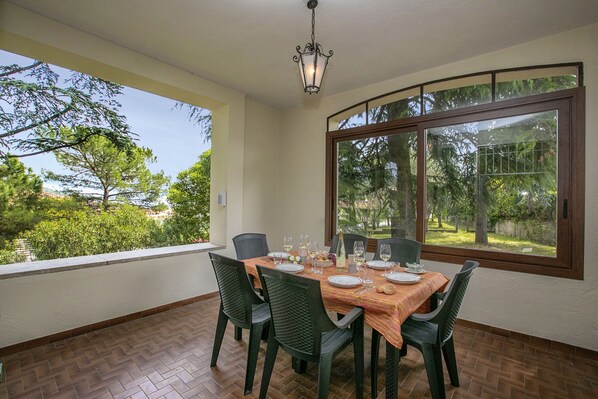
x=565, y=209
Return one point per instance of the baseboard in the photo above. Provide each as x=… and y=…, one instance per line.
x=530, y=339
x=22, y=346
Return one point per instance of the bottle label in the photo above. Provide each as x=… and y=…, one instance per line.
x=341, y=264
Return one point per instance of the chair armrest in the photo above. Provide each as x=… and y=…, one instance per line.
x=435, y=299
x=430, y=317
x=439, y=296
x=349, y=318
x=423, y=316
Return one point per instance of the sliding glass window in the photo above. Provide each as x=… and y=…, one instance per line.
x=498, y=181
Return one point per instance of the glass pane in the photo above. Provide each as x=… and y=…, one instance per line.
x=492, y=185
x=404, y=104
x=457, y=93
x=534, y=81
x=376, y=186
x=352, y=117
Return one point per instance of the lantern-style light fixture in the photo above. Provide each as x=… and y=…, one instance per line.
x=311, y=60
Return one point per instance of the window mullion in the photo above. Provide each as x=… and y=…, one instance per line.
x=421, y=184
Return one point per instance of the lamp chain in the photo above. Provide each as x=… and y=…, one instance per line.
x=313, y=25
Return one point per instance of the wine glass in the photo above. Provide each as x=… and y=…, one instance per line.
x=312, y=251
x=385, y=256
x=303, y=241
x=358, y=251
x=288, y=243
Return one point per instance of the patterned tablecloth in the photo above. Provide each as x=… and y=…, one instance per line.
x=383, y=312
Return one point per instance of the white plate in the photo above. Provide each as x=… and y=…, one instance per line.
x=403, y=278
x=344, y=281
x=290, y=267
x=278, y=255
x=420, y=271
x=379, y=264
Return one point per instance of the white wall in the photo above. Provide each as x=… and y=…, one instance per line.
x=558, y=309
x=261, y=172
x=44, y=304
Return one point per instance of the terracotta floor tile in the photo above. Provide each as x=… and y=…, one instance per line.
x=167, y=355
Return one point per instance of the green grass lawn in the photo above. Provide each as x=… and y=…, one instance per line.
x=496, y=242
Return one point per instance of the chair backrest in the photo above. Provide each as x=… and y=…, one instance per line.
x=349, y=240
x=236, y=293
x=446, y=314
x=402, y=250
x=298, y=314
x=250, y=245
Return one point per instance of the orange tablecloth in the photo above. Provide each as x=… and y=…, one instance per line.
x=383, y=312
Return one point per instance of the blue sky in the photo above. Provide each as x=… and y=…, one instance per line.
x=175, y=141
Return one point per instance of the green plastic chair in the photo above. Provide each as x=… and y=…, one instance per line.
x=240, y=304
x=432, y=333
x=402, y=250
x=301, y=326
x=250, y=245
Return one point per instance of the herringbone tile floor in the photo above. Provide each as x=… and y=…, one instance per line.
x=167, y=355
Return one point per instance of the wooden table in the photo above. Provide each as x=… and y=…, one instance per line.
x=383, y=312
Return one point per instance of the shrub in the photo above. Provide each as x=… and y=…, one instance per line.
x=87, y=233
x=9, y=254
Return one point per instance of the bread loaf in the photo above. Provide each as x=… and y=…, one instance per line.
x=387, y=289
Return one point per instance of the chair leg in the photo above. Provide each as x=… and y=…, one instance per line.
x=393, y=358
x=448, y=350
x=238, y=333
x=403, y=350
x=300, y=366
x=268, y=364
x=359, y=353
x=433, y=363
x=324, y=369
x=220, y=329
x=255, y=335
x=265, y=331
x=375, y=351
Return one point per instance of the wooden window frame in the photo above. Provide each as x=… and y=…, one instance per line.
x=571, y=180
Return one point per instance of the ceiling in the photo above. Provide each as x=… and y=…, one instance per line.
x=248, y=45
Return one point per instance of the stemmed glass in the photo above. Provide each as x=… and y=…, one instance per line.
x=288, y=243
x=312, y=251
x=359, y=252
x=303, y=241
x=385, y=256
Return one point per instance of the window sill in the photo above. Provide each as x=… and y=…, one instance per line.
x=16, y=270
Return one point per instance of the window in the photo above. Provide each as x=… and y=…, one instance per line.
x=85, y=167
x=498, y=181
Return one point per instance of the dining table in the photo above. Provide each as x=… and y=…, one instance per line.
x=383, y=312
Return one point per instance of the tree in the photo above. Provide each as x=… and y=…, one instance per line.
x=107, y=172
x=189, y=198
x=400, y=150
x=20, y=189
x=36, y=100
x=199, y=116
